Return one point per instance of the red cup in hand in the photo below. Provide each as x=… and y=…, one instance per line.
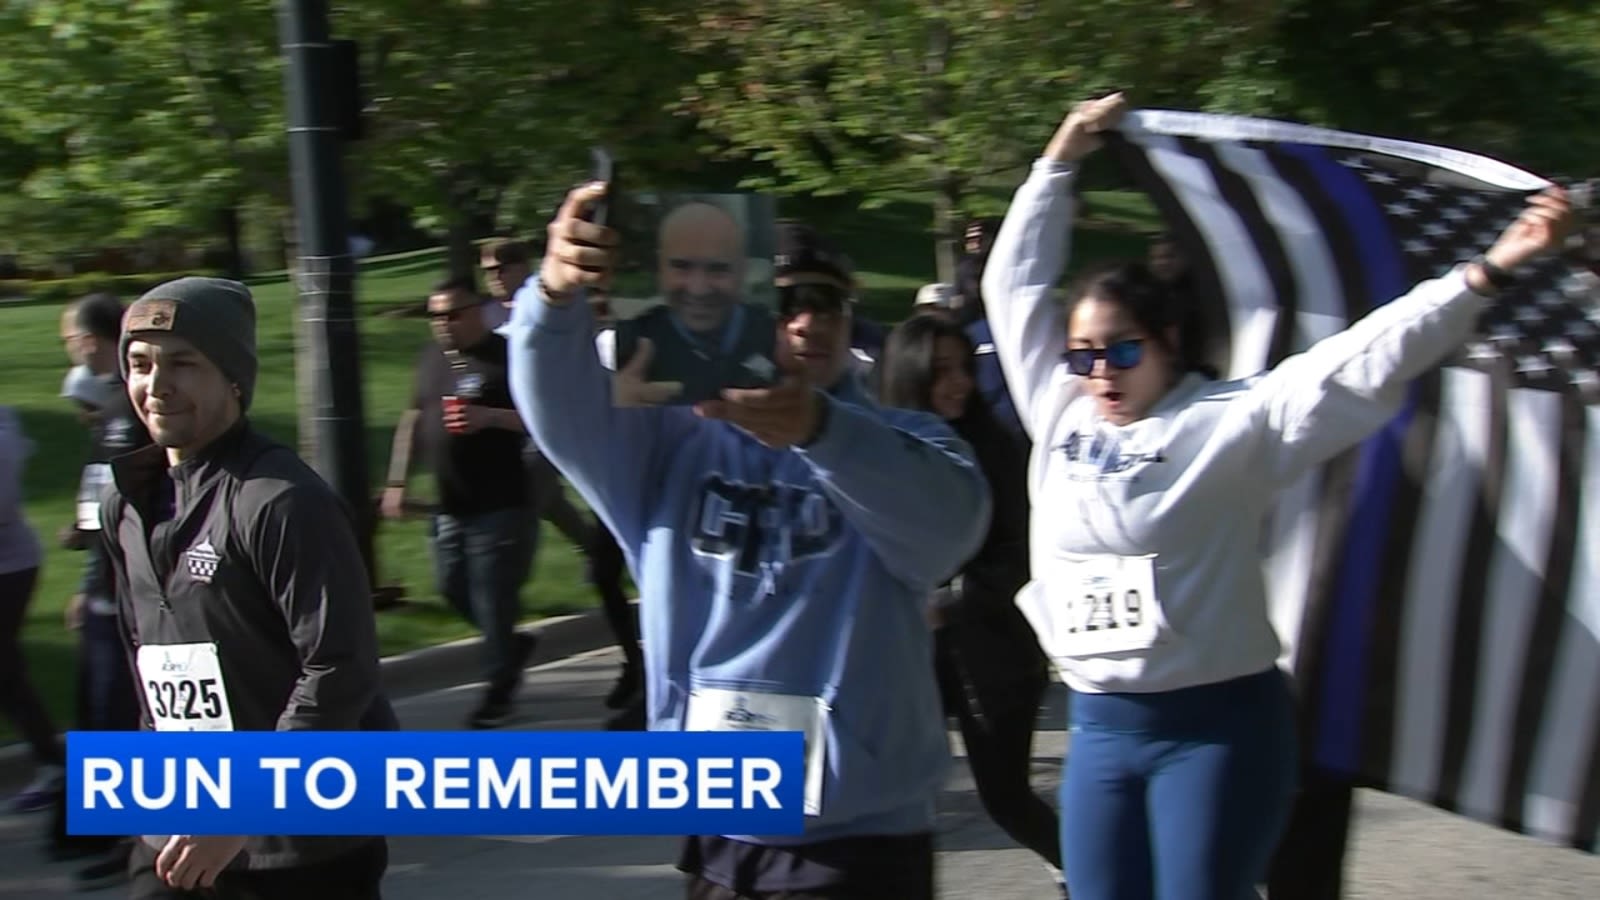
x=453, y=408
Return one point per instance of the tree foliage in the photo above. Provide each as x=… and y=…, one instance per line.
x=1504, y=77
x=128, y=120
x=481, y=111
x=135, y=118
x=899, y=97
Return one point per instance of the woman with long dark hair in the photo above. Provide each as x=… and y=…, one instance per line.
x=991, y=671
x=1153, y=480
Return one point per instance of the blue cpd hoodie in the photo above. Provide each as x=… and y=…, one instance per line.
x=801, y=571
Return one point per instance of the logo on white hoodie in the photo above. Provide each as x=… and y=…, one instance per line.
x=1101, y=454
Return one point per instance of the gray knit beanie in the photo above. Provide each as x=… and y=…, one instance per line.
x=217, y=316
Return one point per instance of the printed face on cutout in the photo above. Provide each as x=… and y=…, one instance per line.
x=701, y=265
x=1123, y=395
x=181, y=396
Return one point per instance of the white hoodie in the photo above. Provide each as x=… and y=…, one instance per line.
x=1191, y=483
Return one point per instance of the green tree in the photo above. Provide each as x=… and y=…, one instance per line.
x=143, y=118
x=905, y=96
x=476, y=123
x=1504, y=77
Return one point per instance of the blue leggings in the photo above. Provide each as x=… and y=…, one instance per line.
x=1179, y=795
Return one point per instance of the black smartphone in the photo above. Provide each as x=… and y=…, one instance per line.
x=602, y=168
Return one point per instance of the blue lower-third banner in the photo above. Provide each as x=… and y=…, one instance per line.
x=421, y=782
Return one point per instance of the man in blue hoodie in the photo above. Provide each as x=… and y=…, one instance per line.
x=785, y=541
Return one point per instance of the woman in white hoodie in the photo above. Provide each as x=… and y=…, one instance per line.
x=1149, y=482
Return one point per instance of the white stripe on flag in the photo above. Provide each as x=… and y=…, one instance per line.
x=1516, y=570
x=1319, y=313
x=1251, y=305
x=1561, y=762
x=1319, y=303
x=1428, y=617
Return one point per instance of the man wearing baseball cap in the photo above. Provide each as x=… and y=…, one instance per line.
x=784, y=540
x=240, y=582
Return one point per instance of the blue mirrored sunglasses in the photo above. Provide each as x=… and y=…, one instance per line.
x=1121, y=355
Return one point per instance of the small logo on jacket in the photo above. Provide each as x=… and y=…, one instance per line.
x=119, y=433
x=469, y=385
x=202, y=561
x=742, y=714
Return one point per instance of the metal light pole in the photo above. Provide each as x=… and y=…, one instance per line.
x=325, y=271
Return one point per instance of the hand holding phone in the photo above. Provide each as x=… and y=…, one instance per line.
x=603, y=169
x=582, y=251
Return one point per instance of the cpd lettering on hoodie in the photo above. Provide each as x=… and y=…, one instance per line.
x=760, y=527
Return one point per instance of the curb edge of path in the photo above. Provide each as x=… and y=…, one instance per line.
x=423, y=670
x=428, y=669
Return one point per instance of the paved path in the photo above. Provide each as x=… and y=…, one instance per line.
x=1401, y=849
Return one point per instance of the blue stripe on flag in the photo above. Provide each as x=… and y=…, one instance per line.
x=1355, y=594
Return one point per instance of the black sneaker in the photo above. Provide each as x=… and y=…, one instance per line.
x=627, y=685
x=108, y=872
x=631, y=718
x=490, y=714
x=523, y=646
x=527, y=642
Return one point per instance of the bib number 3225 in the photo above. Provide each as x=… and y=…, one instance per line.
x=183, y=687
x=1110, y=606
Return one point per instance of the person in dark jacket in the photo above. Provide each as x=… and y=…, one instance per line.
x=240, y=582
x=967, y=302
x=20, y=555
x=976, y=240
x=106, y=697
x=485, y=530
x=506, y=265
x=991, y=671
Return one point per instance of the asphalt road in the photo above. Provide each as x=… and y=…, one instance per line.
x=1401, y=849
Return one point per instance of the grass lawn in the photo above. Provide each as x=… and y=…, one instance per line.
x=888, y=244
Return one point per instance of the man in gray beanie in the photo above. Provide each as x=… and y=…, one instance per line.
x=215, y=316
x=236, y=567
